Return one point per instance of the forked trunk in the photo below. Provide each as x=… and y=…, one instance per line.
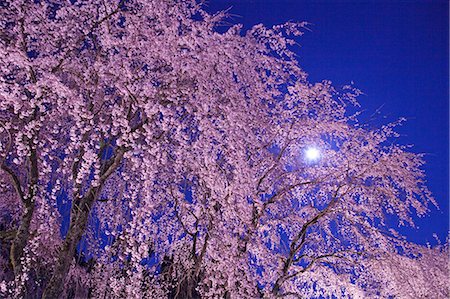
x=78, y=222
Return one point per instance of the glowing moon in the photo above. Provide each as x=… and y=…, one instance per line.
x=312, y=154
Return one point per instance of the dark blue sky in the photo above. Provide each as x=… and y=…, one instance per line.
x=396, y=52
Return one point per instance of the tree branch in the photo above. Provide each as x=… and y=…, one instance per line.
x=16, y=182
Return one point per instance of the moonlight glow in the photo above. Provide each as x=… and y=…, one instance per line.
x=312, y=154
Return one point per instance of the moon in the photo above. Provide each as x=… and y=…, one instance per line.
x=312, y=154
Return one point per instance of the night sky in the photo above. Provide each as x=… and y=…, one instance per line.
x=396, y=52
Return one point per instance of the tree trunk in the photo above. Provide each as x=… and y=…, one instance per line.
x=78, y=223
x=23, y=232
x=79, y=216
x=21, y=240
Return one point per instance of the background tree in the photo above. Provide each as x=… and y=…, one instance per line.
x=143, y=154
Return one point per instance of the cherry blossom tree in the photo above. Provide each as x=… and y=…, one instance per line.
x=145, y=155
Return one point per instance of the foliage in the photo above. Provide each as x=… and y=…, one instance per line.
x=145, y=155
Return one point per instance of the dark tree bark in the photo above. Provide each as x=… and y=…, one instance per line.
x=78, y=223
x=79, y=217
x=22, y=235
